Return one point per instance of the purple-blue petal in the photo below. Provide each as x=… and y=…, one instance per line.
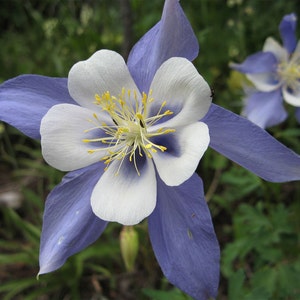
x=250, y=146
x=297, y=114
x=183, y=238
x=287, y=29
x=69, y=223
x=172, y=36
x=265, y=109
x=260, y=62
x=25, y=99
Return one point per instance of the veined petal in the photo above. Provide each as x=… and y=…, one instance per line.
x=287, y=30
x=265, y=109
x=265, y=82
x=184, y=91
x=69, y=224
x=250, y=146
x=105, y=71
x=123, y=196
x=173, y=36
x=25, y=99
x=183, y=238
x=260, y=62
x=274, y=47
x=191, y=143
x=292, y=97
x=63, y=131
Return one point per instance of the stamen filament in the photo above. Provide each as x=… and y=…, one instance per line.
x=129, y=134
x=289, y=72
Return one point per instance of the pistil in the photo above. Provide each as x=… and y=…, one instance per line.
x=289, y=73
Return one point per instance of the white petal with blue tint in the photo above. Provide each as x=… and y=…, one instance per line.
x=265, y=82
x=192, y=141
x=273, y=46
x=292, y=98
x=104, y=71
x=184, y=91
x=126, y=197
x=63, y=130
x=290, y=77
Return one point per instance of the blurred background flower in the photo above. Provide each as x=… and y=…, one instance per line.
x=275, y=73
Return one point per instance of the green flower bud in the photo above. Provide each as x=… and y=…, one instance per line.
x=129, y=243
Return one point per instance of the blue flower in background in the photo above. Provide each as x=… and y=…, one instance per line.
x=142, y=108
x=275, y=73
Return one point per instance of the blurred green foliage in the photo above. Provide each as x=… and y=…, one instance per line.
x=257, y=222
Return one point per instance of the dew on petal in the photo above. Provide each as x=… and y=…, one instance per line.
x=189, y=233
x=60, y=240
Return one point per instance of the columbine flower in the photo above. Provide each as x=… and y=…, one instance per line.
x=154, y=119
x=275, y=73
x=134, y=134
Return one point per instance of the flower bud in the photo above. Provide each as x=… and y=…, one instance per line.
x=129, y=243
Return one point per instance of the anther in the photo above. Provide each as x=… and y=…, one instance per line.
x=128, y=136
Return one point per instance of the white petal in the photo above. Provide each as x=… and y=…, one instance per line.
x=62, y=131
x=191, y=143
x=185, y=91
x=264, y=82
x=279, y=51
x=291, y=98
x=104, y=71
x=126, y=198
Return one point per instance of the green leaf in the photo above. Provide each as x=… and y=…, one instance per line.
x=235, y=288
x=173, y=294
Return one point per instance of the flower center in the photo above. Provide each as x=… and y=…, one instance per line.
x=289, y=72
x=129, y=135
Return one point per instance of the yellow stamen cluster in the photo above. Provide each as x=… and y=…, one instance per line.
x=129, y=135
x=289, y=72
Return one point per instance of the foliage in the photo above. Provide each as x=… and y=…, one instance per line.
x=256, y=222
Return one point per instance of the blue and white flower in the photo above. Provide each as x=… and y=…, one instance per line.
x=135, y=135
x=275, y=73
x=131, y=137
